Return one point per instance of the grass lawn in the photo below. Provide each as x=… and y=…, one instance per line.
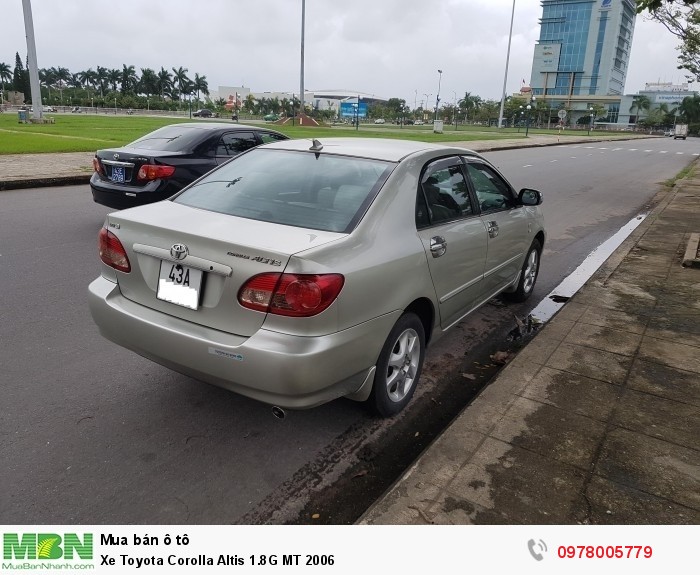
x=87, y=133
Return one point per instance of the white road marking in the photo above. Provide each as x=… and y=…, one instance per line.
x=679, y=153
x=632, y=149
x=664, y=152
x=552, y=161
x=527, y=166
x=647, y=150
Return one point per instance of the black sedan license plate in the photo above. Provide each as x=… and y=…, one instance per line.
x=118, y=173
x=179, y=284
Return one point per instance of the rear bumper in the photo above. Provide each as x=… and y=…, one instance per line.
x=121, y=197
x=279, y=369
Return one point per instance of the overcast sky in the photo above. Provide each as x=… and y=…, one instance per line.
x=389, y=48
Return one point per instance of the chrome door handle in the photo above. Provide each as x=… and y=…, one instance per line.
x=438, y=246
x=492, y=229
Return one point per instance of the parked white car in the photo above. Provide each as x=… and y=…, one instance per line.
x=379, y=121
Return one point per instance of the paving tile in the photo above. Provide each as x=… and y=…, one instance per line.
x=582, y=395
x=676, y=355
x=632, y=323
x=665, y=381
x=593, y=363
x=611, y=503
x=653, y=466
x=551, y=432
x=527, y=487
x=665, y=419
x=604, y=338
x=675, y=336
x=572, y=311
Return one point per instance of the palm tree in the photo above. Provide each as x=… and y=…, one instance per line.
x=102, y=79
x=149, y=82
x=470, y=102
x=180, y=78
x=200, y=85
x=114, y=77
x=5, y=76
x=129, y=78
x=640, y=103
x=165, y=82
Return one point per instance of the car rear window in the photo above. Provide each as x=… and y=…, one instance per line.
x=302, y=189
x=169, y=138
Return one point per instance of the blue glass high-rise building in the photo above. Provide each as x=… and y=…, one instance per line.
x=583, y=50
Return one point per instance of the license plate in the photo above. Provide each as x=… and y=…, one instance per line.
x=118, y=173
x=179, y=284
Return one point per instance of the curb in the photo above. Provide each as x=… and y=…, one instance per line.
x=44, y=182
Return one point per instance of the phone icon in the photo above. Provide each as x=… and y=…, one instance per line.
x=536, y=549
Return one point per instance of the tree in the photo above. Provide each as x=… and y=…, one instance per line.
x=690, y=109
x=5, y=76
x=200, y=85
x=102, y=79
x=114, y=77
x=683, y=21
x=640, y=103
x=470, y=105
x=20, y=77
x=653, y=5
x=129, y=79
x=148, y=84
x=165, y=82
x=180, y=78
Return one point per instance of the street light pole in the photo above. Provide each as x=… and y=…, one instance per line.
x=437, y=98
x=301, y=88
x=505, y=77
x=590, y=123
x=527, y=120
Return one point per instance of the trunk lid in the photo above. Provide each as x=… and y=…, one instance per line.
x=228, y=250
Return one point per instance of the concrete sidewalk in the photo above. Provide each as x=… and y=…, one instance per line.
x=597, y=419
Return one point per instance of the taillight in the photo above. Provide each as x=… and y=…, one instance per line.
x=97, y=166
x=296, y=295
x=149, y=172
x=112, y=251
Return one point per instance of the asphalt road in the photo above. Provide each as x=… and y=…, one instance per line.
x=91, y=433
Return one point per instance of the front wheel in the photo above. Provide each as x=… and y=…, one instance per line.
x=528, y=275
x=399, y=366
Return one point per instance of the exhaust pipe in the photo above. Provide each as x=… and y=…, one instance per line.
x=278, y=412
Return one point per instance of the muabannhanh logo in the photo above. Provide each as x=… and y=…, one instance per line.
x=46, y=546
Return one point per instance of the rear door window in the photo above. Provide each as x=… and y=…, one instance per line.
x=233, y=143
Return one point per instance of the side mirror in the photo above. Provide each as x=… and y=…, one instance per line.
x=530, y=197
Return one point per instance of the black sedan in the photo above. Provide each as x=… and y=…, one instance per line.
x=163, y=162
x=203, y=113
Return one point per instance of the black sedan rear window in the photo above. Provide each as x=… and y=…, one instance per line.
x=170, y=138
x=301, y=189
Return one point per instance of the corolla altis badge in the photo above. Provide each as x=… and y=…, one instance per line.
x=116, y=156
x=179, y=251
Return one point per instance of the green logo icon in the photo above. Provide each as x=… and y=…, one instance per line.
x=45, y=546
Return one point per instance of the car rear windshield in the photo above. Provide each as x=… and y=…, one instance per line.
x=169, y=138
x=301, y=189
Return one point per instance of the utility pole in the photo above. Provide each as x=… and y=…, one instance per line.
x=505, y=78
x=31, y=60
x=301, y=88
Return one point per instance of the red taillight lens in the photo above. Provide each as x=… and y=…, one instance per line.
x=296, y=295
x=112, y=251
x=97, y=166
x=149, y=172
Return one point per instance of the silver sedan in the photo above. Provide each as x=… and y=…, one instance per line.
x=306, y=270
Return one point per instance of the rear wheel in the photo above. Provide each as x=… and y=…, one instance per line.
x=528, y=275
x=399, y=366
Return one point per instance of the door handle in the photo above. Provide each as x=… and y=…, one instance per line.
x=492, y=229
x=438, y=246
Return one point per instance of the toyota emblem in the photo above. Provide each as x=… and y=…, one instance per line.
x=179, y=251
x=116, y=156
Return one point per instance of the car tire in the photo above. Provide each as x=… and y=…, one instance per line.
x=399, y=366
x=528, y=274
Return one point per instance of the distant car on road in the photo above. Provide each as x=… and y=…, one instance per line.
x=163, y=162
x=203, y=113
x=271, y=117
x=379, y=121
x=418, y=123
x=76, y=110
x=49, y=109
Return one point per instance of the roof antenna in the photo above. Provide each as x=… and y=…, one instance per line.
x=317, y=146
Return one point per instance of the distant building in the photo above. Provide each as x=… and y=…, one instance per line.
x=582, y=54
